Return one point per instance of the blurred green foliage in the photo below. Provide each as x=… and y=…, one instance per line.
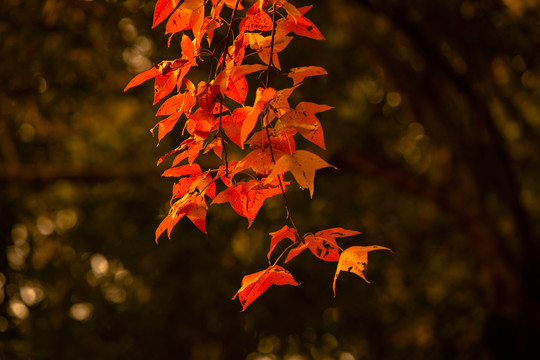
x=436, y=133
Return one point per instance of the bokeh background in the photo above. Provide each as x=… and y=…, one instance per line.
x=436, y=133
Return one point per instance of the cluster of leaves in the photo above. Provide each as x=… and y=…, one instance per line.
x=217, y=118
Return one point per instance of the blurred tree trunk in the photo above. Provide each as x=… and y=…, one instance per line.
x=450, y=95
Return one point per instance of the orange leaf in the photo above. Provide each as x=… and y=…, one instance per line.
x=142, y=77
x=184, y=170
x=193, y=206
x=355, y=259
x=255, y=284
x=323, y=244
x=256, y=19
x=304, y=120
x=284, y=233
x=280, y=140
x=165, y=126
x=263, y=46
x=324, y=248
x=300, y=73
x=263, y=96
x=260, y=160
x=163, y=9
x=302, y=164
x=246, y=198
x=188, y=15
x=337, y=232
x=232, y=124
x=302, y=26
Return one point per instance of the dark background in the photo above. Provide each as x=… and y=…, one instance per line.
x=436, y=134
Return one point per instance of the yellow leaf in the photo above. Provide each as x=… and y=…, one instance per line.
x=302, y=164
x=355, y=259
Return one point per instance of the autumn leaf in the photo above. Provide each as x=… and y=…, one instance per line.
x=256, y=19
x=298, y=74
x=323, y=244
x=355, y=259
x=162, y=10
x=284, y=233
x=165, y=126
x=262, y=97
x=142, y=77
x=301, y=25
x=263, y=46
x=302, y=164
x=189, y=15
x=304, y=120
x=232, y=124
x=184, y=170
x=246, y=198
x=260, y=161
x=280, y=140
x=191, y=205
x=254, y=285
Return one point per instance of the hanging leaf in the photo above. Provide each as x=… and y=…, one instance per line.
x=355, y=260
x=256, y=284
x=302, y=164
x=284, y=233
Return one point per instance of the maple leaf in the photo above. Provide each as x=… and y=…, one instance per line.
x=190, y=148
x=280, y=140
x=263, y=46
x=298, y=74
x=246, y=198
x=232, y=124
x=142, y=77
x=184, y=170
x=189, y=15
x=300, y=25
x=256, y=19
x=165, y=126
x=191, y=205
x=162, y=10
x=302, y=164
x=323, y=244
x=262, y=97
x=260, y=161
x=304, y=120
x=254, y=285
x=355, y=259
x=284, y=233
x=279, y=105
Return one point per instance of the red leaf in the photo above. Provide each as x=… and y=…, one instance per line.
x=260, y=160
x=300, y=73
x=337, y=232
x=324, y=248
x=142, y=77
x=284, y=233
x=262, y=98
x=163, y=9
x=282, y=140
x=232, y=125
x=184, y=170
x=304, y=120
x=246, y=198
x=256, y=19
x=187, y=16
x=165, y=126
x=193, y=206
x=302, y=26
x=256, y=284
